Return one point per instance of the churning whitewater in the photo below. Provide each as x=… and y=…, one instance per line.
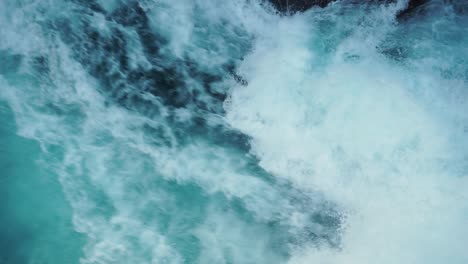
x=210, y=131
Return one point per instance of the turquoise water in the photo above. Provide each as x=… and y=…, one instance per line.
x=36, y=218
x=199, y=131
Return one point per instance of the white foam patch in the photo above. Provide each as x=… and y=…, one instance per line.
x=353, y=130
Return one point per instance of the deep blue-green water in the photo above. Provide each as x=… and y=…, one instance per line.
x=206, y=131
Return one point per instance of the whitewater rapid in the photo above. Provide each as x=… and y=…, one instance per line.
x=205, y=131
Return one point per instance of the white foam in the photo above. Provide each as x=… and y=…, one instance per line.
x=356, y=133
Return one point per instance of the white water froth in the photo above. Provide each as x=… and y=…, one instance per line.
x=355, y=131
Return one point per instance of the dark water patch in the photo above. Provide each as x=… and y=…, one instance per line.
x=293, y=6
x=92, y=5
x=413, y=8
x=174, y=83
x=10, y=62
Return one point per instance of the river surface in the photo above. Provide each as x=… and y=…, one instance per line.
x=210, y=131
